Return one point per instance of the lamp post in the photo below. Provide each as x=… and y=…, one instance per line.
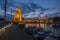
x=11, y=15
x=5, y=11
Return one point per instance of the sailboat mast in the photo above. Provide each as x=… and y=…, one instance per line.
x=5, y=11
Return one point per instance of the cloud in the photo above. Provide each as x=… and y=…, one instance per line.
x=52, y=11
x=32, y=14
x=29, y=10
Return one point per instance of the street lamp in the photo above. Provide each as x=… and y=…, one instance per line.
x=5, y=8
x=5, y=11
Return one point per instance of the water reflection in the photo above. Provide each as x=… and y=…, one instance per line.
x=42, y=25
x=51, y=29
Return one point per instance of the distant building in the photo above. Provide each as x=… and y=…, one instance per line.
x=43, y=23
x=56, y=21
x=1, y=20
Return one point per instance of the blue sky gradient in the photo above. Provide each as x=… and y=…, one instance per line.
x=32, y=8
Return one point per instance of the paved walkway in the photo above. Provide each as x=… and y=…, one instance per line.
x=4, y=28
x=14, y=33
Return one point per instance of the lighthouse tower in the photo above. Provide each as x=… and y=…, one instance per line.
x=46, y=22
x=18, y=18
x=18, y=15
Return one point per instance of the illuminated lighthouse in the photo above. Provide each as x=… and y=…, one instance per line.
x=18, y=18
x=18, y=15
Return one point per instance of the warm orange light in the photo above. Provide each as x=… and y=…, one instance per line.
x=18, y=15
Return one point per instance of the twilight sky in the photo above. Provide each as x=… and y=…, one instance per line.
x=32, y=8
